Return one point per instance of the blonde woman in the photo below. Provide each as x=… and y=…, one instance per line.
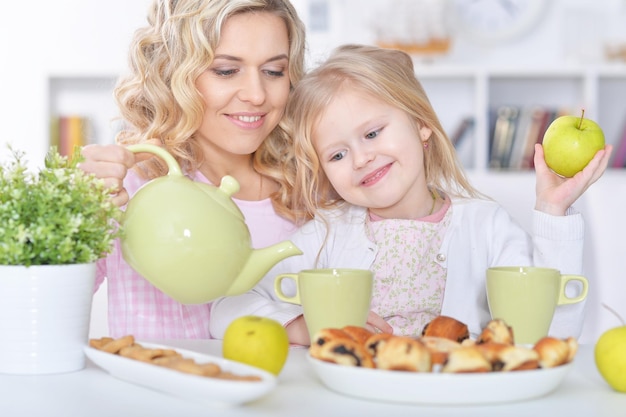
x=209, y=81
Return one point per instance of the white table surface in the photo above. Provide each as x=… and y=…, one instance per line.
x=93, y=393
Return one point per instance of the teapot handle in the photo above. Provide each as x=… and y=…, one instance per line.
x=172, y=165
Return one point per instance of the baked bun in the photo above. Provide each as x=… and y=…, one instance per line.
x=448, y=327
x=491, y=351
x=504, y=357
x=375, y=341
x=344, y=352
x=324, y=336
x=466, y=359
x=439, y=348
x=518, y=358
x=403, y=353
x=554, y=352
x=358, y=334
x=496, y=331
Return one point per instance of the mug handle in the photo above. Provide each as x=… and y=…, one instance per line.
x=564, y=299
x=279, y=291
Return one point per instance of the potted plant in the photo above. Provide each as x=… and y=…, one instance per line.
x=54, y=225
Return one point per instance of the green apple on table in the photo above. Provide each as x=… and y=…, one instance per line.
x=570, y=142
x=257, y=341
x=610, y=355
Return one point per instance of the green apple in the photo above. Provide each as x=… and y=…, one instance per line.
x=570, y=142
x=257, y=341
x=610, y=355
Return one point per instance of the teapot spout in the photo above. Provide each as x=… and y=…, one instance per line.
x=259, y=263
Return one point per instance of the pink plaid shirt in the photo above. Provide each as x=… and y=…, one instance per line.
x=137, y=307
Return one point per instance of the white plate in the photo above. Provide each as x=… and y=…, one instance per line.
x=180, y=384
x=438, y=388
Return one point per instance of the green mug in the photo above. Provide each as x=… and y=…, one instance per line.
x=526, y=298
x=330, y=298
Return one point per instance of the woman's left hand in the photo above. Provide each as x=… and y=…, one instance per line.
x=556, y=194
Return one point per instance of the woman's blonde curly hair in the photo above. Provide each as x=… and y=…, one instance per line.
x=159, y=98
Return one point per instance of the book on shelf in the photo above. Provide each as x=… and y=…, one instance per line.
x=540, y=120
x=503, y=133
x=514, y=133
x=461, y=138
x=68, y=132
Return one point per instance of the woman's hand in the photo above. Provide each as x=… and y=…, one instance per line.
x=111, y=163
x=556, y=194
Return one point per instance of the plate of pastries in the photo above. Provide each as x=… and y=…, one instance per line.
x=179, y=372
x=442, y=366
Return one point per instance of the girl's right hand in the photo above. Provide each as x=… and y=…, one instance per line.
x=377, y=324
x=111, y=163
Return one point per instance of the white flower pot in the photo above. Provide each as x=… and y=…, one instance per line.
x=44, y=317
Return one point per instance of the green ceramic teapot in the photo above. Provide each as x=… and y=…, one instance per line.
x=189, y=239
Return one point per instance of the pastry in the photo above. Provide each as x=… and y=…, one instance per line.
x=403, y=353
x=323, y=336
x=359, y=334
x=344, y=351
x=496, y=331
x=554, y=352
x=505, y=357
x=518, y=358
x=375, y=341
x=439, y=348
x=466, y=359
x=448, y=327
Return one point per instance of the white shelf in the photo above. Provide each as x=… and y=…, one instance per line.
x=457, y=92
x=89, y=96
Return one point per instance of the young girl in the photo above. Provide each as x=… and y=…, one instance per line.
x=381, y=178
x=209, y=82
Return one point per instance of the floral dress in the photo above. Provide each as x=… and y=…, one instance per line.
x=409, y=283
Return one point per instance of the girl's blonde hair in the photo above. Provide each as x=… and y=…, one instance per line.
x=159, y=98
x=384, y=74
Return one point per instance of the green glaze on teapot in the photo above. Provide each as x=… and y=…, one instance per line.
x=190, y=240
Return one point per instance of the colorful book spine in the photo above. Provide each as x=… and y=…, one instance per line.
x=68, y=132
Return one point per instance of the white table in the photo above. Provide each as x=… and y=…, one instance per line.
x=94, y=393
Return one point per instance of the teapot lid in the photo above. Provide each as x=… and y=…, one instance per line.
x=228, y=186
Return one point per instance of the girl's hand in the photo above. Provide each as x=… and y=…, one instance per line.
x=297, y=332
x=111, y=163
x=556, y=194
x=377, y=324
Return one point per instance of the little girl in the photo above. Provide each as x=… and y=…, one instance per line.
x=382, y=182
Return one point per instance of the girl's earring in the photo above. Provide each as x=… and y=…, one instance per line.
x=426, y=145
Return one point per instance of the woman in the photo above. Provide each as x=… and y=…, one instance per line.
x=209, y=81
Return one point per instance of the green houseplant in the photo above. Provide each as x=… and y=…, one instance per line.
x=54, y=225
x=59, y=215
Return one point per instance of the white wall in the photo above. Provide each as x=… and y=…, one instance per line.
x=43, y=38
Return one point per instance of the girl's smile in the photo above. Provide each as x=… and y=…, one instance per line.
x=376, y=176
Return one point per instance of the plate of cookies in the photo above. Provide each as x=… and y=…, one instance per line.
x=182, y=373
x=442, y=366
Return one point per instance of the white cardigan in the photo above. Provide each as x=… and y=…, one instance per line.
x=481, y=234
